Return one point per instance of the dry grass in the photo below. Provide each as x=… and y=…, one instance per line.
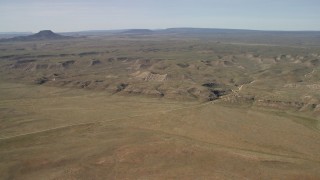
x=58, y=133
x=136, y=107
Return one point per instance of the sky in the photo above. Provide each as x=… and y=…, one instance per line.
x=79, y=15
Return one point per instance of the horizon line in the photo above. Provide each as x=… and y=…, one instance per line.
x=159, y=29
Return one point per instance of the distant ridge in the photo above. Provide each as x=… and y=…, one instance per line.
x=197, y=32
x=137, y=31
x=42, y=35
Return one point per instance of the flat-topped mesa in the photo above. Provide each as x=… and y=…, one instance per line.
x=41, y=35
x=46, y=34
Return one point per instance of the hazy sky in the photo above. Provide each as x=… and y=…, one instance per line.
x=76, y=15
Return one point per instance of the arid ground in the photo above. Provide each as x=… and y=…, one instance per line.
x=159, y=107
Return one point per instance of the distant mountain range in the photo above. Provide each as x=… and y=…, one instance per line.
x=201, y=32
x=227, y=35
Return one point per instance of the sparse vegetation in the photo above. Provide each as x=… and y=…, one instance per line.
x=160, y=105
